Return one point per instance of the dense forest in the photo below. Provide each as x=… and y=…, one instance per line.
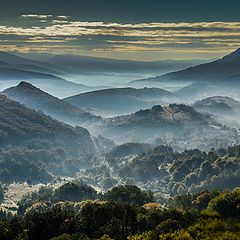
x=164, y=170
x=35, y=145
x=75, y=211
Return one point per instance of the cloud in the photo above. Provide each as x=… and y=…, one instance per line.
x=62, y=17
x=216, y=37
x=56, y=21
x=36, y=16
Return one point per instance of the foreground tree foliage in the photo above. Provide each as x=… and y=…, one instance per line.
x=207, y=215
x=129, y=194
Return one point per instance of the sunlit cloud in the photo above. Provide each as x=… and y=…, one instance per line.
x=56, y=21
x=216, y=37
x=62, y=17
x=37, y=16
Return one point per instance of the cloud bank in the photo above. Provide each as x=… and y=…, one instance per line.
x=61, y=34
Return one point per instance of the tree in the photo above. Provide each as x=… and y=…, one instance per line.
x=74, y=192
x=1, y=193
x=129, y=194
x=226, y=204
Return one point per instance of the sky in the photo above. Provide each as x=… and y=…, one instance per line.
x=144, y=30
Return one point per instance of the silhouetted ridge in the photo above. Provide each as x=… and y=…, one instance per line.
x=222, y=70
x=118, y=101
x=232, y=57
x=26, y=85
x=34, y=98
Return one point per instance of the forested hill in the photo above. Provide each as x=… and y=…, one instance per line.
x=175, y=124
x=34, y=98
x=22, y=126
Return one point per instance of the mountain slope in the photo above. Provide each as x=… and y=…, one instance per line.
x=47, y=76
x=54, y=85
x=36, y=99
x=20, y=125
x=117, y=101
x=33, y=144
x=85, y=64
x=177, y=125
x=223, y=107
x=10, y=60
x=225, y=69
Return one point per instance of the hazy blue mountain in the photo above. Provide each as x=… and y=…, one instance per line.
x=117, y=101
x=50, y=72
x=14, y=72
x=223, y=107
x=85, y=64
x=54, y=85
x=46, y=75
x=97, y=71
x=201, y=90
x=225, y=69
x=9, y=60
x=34, y=98
x=220, y=77
x=177, y=125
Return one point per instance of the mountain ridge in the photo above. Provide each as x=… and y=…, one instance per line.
x=178, y=125
x=118, y=101
x=34, y=98
x=224, y=69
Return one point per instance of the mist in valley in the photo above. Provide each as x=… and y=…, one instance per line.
x=71, y=132
x=119, y=120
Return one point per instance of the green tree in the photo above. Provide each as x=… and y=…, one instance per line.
x=129, y=194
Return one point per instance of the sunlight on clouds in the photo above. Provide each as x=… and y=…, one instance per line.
x=36, y=16
x=103, y=37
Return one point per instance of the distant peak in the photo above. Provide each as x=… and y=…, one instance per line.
x=233, y=56
x=25, y=85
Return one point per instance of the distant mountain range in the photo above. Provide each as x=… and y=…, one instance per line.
x=220, y=77
x=225, y=69
x=13, y=61
x=118, y=101
x=70, y=63
x=76, y=74
x=34, y=98
x=15, y=69
x=47, y=76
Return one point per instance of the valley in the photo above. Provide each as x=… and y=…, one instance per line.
x=167, y=141
x=119, y=120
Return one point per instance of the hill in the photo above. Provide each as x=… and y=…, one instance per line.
x=54, y=85
x=14, y=69
x=86, y=64
x=177, y=125
x=225, y=69
x=11, y=60
x=102, y=72
x=117, y=101
x=29, y=138
x=223, y=107
x=220, y=77
x=34, y=98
